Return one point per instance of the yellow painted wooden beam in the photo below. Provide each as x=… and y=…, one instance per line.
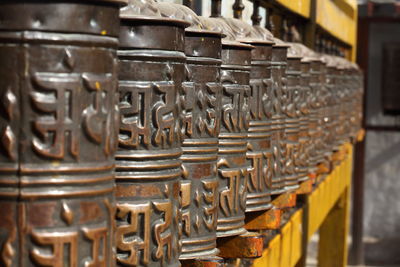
x=285, y=249
x=300, y=7
x=339, y=18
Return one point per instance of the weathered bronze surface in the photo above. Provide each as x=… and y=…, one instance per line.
x=232, y=164
x=200, y=109
x=58, y=132
x=305, y=141
x=259, y=149
x=148, y=165
x=279, y=84
x=292, y=95
x=315, y=124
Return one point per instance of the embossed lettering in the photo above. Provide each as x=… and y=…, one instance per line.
x=164, y=114
x=233, y=197
x=187, y=105
x=133, y=214
x=97, y=236
x=135, y=109
x=235, y=112
x=55, y=100
x=59, y=241
x=162, y=234
x=186, y=188
x=210, y=199
x=98, y=117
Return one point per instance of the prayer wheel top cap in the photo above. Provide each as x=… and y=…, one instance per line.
x=148, y=10
x=341, y=63
x=181, y=12
x=280, y=43
x=220, y=25
x=329, y=60
x=308, y=55
x=293, y=52
x=245, y=33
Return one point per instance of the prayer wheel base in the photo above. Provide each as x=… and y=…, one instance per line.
x=264, y=220
x=248, y=245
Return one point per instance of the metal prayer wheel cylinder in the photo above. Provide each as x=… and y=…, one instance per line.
x=148, y=165
x=259, y=148
x=232, y=164
x=324, y=113
x=315, y=126
x=200, y=118
x=58, y=88
x=333, y=104
x=200, y=109
x=292, y=93
x=304, y=135
x=279, y=83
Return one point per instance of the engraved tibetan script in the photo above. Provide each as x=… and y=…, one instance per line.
x=210, y=199
x=235, y=112
x=260, y=174
x=233, y=197
x=58, y=101
x=128, y=248
x=147, y=114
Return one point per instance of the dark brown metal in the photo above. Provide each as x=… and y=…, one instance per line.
x=259, y=148
x=216, y=8
x=304, y=105
x=238, y=8
x=232, y=164
x=148, y=164
x=279, y=83
x=255, y=17
x=58, y=132
x=200, y=109
x=292, y=96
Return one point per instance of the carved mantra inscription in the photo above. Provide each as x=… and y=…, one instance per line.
x=235, y=107
x=136, y=230
x=233, y=196
x=66, y=243
x=58, y=99
x=147, y=114
x=200, y=109
x=205, y=199
x=260, y=99
x=261, y=163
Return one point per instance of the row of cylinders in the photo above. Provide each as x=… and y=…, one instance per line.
x=138, y=140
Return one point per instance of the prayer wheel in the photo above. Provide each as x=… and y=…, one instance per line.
x=259, y=148
x=58, y=86
x=200, y=109
x=233, y=167
x=148, y=164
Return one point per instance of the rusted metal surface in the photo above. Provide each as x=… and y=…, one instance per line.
x=148, y=164
x=58, y=138
x=248, y=245
x=200, y=109
x=285, y=200
x=264, y=220
x=232, y=164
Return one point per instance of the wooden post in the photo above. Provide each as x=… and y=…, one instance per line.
x=238, y=9
x=332, y=250
x=255, y=17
